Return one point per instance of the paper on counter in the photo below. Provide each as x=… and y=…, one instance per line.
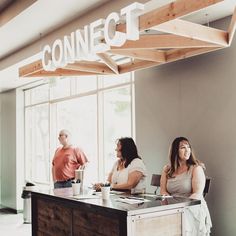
x=148, y=195
x=117, y=192
x=163, y=196
x=86, y=197
x=131, y=201
x=112, y=192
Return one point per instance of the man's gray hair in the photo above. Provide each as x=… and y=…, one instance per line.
x=67, y=133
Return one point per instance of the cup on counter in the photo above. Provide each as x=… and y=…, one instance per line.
x=105, y=192
x=79, y=175
x=76, y=188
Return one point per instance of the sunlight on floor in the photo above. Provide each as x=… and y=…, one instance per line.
x=12, y=224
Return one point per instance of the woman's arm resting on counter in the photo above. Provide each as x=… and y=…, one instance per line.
x=133, y=179
x=97, y=186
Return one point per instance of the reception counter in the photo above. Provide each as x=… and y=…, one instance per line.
x=58, y=212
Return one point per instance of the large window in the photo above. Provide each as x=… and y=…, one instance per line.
x=37, y=143
x=97, y=111
x=117, y=121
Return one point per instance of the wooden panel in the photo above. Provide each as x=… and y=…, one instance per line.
x=91, y=223
x=53, y=219
x=150, y=55
x=90, y=66
x=172, y=11
x=85, y=232
x=42, y=234
x=60, y=72
x=192, y=39
x=178, y=54
x=136, y=65
x=109, y=62
x=169, y=12
x=31, y=68
x=167, y=225
x=232, y=27
x=163, y=41
x=194, y=31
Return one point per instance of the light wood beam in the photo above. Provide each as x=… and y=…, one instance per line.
x=86, y=66
x=194, y=31
x=178, y=54
x=109, y=62
x=169, y=12
x=163, y=41
x=30, y=68
x=143, y=54
x=60, y=72
x=171, y=55
x=189, y=39
x=136, y=65
x=90, y=66
x=232, y=27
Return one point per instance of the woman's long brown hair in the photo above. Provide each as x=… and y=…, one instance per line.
x=174, y=156
x=128, y=150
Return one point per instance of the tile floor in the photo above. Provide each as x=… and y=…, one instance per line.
x=12, y=225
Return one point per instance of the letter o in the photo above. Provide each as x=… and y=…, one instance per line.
x=45, y=56
x=57, y=53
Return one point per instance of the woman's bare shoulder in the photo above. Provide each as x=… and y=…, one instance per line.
x=166, y=168
x=198, y=169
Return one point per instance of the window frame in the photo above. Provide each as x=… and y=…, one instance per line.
x=100, y=102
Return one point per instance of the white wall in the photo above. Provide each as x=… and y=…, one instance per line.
x=8, y=151
x=20, y=158
x=12, y=158
x=195, y=98
x=0, y=150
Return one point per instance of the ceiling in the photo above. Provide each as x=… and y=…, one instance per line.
x=4, y=4
x=35, y=19
x=39, y=19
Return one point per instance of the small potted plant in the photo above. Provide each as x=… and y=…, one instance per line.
x=75, y=181
x=76, y=186
x=107, y=184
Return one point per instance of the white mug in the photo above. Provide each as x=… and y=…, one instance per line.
x=79, y=174
x=105, y=192
x=76, y=188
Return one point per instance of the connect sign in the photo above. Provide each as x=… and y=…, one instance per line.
x=96, y=37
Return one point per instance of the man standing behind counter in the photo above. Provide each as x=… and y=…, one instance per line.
x=66, y=160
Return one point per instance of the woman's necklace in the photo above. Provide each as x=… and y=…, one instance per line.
x=121, y=165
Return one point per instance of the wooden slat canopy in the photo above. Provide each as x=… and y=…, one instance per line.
x=164, y=38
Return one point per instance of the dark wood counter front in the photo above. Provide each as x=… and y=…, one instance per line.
x=59, y=214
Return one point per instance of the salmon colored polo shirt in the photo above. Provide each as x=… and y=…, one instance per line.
x=66, y=161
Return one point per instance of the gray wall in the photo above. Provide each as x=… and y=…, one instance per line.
x=194, y=98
